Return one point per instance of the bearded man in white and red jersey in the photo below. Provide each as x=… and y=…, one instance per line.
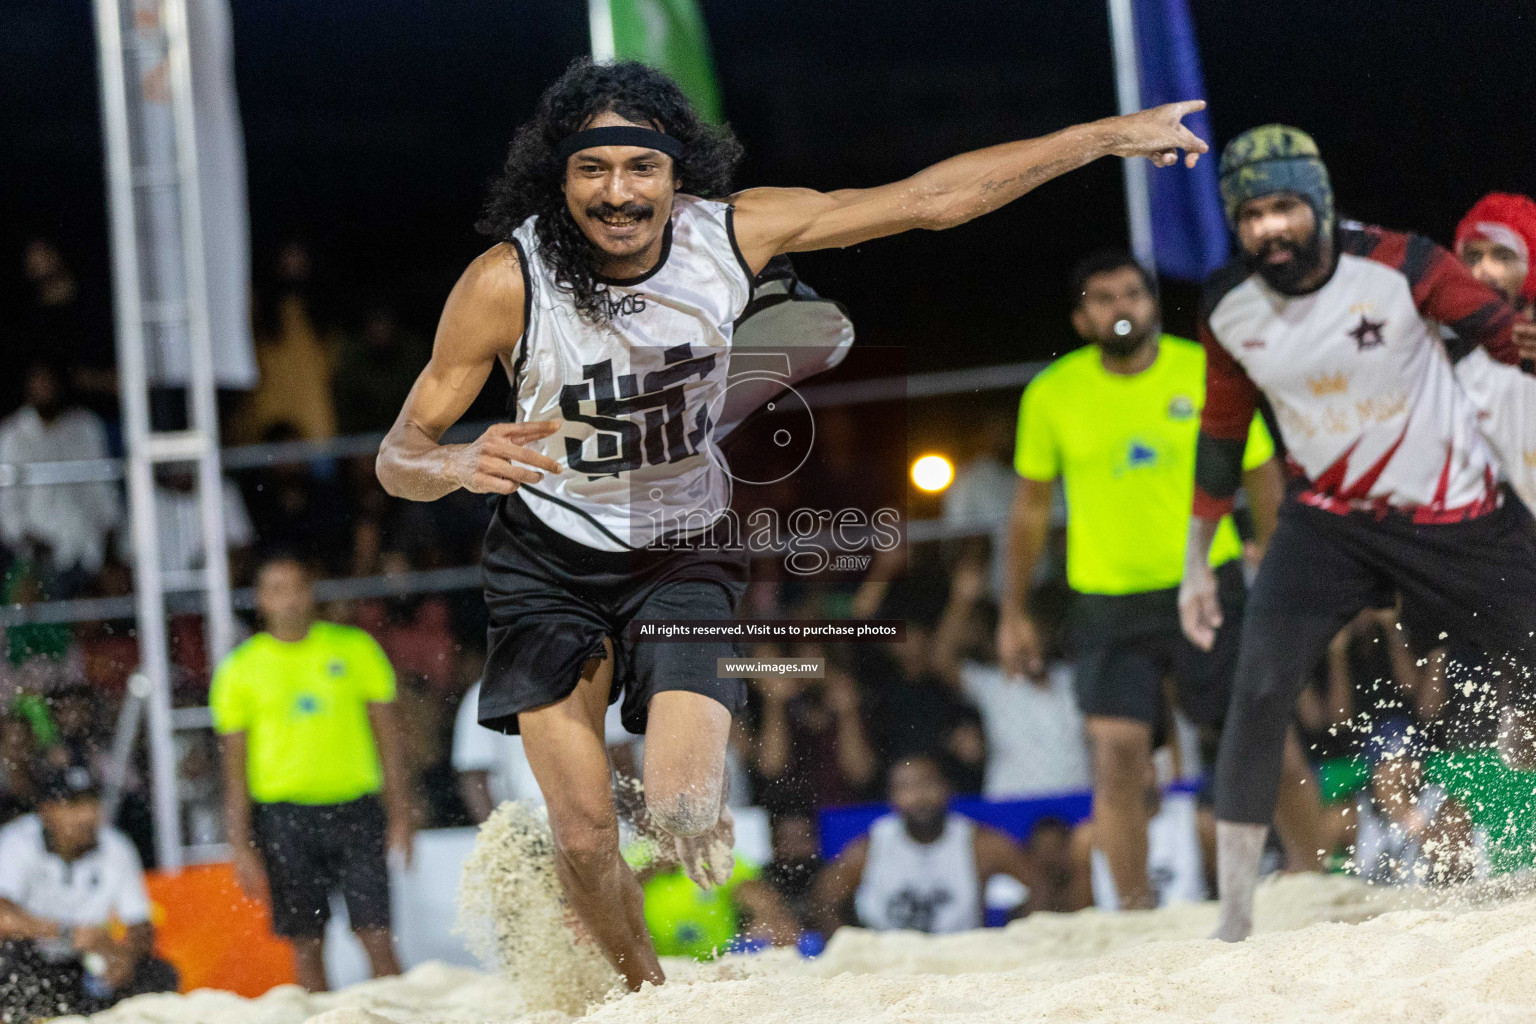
x=1393, y=489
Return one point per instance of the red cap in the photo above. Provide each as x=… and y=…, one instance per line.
x=1509, y=220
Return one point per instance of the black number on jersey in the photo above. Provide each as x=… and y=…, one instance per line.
x=659, y=402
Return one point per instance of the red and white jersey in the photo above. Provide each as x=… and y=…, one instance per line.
x=1505, y=400
x=1360, y=383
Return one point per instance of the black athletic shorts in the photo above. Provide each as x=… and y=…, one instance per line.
x=1127, y=644
x=1429, y=617
x=552, y=600
x=309, y=851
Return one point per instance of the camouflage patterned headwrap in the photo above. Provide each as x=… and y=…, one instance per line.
x=1275, y=158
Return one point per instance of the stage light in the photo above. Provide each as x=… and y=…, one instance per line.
x=932, y=473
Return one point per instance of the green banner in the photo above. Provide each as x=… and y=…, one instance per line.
x=670, y=36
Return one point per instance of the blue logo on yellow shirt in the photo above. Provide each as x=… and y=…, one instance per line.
x=307, y=704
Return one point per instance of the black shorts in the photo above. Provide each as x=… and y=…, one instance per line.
x=1127, y=644
x=309, y=851
x=552, y=600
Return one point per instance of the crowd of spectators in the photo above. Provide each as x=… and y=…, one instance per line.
x=938, y=698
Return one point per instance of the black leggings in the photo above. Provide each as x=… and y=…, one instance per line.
x=1471, y=582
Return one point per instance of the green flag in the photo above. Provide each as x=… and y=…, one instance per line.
x=669, y=35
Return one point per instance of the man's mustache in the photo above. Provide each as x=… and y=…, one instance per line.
x=1278, y=244
x=634, y=211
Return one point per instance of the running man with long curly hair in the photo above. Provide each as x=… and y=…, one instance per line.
x=622, y=260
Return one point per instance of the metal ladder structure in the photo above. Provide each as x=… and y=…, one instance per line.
x=160, y=301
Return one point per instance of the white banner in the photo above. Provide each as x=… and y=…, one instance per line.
x=222, y=194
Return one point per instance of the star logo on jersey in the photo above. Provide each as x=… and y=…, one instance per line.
x=1182, y=407
x=1367, y=333
x=307, y=704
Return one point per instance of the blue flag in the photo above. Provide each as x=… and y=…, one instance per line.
x=1189, y=232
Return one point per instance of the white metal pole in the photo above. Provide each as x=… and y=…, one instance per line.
x=203, y=407
x=1138, y=199
x=148, y=592
x=600, y=22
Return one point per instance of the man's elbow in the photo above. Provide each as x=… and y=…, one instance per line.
x=387, y=468
x=942, y=211
x=383, y=469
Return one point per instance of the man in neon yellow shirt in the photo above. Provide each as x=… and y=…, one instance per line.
x=306, y=718
x=1117, y=421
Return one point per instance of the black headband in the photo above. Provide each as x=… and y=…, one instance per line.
x=621, y=135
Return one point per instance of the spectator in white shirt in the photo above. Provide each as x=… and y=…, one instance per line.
x=179, y=518
x=1034, y=729
x=62, y=526
x=67, y=882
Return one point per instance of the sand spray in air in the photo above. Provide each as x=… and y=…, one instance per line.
x=513, y=917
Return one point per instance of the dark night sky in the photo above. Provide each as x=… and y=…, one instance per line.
x=372, y=126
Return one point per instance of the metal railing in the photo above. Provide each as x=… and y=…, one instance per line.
x=256, y=456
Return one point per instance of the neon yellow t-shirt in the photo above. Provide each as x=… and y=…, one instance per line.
x=303, y=707
x=1125, y=448
x=685, y=920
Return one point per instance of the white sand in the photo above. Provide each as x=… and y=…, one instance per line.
x=1321, y=956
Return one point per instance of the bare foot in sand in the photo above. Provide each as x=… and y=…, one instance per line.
x=708, y=858
x=1231, y=928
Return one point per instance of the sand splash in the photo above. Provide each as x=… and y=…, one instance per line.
x=1330, y=949
x=513, y=919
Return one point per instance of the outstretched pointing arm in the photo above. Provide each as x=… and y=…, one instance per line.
x=770, y=221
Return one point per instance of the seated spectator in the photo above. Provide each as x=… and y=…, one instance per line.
x=685, y=920
x=796, y=860
x=181, y=530
x=921, y=867
x=68, y=884
x=810, y=745
x=61, y=528
x=1034, y=728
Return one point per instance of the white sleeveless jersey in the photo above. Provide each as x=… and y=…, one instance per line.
x=926, y=887
x=1505, y=398
x=637, y=399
